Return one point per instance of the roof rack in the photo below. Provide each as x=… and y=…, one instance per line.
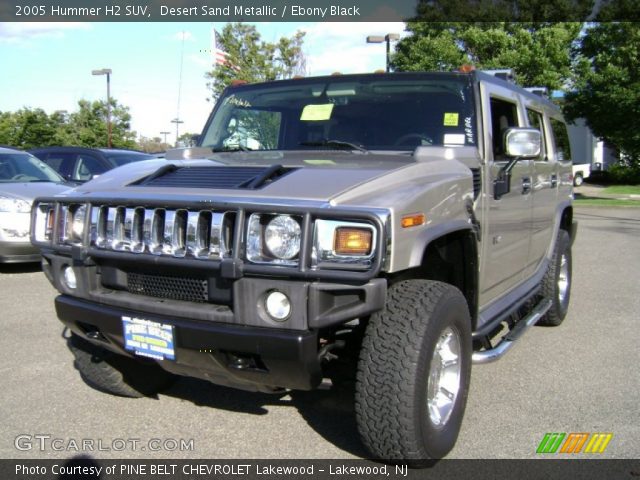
x=540, y=91
x=503, y=73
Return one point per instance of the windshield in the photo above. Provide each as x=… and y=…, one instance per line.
x=23, y=167
x=123, y=158
x=374, y=112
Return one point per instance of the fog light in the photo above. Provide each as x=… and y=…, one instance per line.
x=69, y=277
x=278, y=306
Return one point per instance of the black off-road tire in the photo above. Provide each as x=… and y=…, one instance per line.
x=116, y=374
x=560, y=265
x=394, y=369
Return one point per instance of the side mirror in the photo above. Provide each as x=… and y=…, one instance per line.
x=519, y=144
x=195, y=140
x=522, y=143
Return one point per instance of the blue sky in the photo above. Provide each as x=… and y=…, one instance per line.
x=48, y=65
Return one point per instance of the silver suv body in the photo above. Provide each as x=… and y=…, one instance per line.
x=405, y=224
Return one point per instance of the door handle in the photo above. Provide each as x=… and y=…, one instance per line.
x=554, y=181
x=526, y=185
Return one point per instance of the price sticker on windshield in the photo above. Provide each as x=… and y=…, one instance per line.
x=316, y=113
x=450, y=119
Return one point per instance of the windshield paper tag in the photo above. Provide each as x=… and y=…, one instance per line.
x=316, y=113
x=450, y=120
x=453, y=139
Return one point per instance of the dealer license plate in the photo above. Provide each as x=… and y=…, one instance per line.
x=148, y=339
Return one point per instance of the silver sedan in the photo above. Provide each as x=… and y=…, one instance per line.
x=22, y=178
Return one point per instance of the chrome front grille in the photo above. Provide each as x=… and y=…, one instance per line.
x=203, y=234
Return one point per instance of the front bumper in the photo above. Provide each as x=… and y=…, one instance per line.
x=16, y=252
x=228, y=341
x=275, y=358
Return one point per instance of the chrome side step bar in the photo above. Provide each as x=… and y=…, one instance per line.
x=488, y=356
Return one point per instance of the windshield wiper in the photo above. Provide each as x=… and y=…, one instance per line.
x=338, y=144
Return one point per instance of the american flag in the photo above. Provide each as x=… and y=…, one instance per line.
x=220, y=56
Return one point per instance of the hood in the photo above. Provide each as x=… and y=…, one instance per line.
x=311, y=176
x=314, y=178
x=28, y=191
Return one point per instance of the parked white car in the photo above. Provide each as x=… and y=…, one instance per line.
x=580, y=172
x=22, y=178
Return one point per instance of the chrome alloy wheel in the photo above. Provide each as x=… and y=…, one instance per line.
x=563, y=279
x=444, y=377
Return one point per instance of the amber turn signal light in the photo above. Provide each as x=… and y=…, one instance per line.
x=414, y=220
x=352, y=241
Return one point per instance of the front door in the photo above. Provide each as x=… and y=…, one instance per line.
x=508, y=219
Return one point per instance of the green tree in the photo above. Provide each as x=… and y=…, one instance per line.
x=607, y=85
x=253, y=60
x=88, y=126
x=151, y=145
x=538, y=53
x=187, y=139
x=30, y=128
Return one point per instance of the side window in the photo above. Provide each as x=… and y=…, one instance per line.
x=86, y=167
x=536, y=121
x=61, y=163
x=253, y=129
x=563, y=149
x=504, y=115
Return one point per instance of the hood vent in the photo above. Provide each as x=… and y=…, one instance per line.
x=250, y=178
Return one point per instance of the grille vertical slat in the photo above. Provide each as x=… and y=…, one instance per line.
x=161, y=231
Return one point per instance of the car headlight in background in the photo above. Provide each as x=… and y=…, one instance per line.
x=14, y=219
x=274, y=239
x=14, y=205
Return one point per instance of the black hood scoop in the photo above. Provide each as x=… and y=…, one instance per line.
x=250, y=178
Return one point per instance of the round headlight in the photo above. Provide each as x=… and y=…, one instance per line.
x=282, y=237
x=278, y=305
x=69, y=277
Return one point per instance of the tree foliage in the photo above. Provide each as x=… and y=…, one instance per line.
x=607, y=85
x=538, y=53
x=87, y=127
x=29, y=128
x=254, y=60
x=152, y=144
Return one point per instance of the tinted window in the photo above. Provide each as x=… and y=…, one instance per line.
x=378, y=113
x=86, y=167
x=22, y=167
x=561, y=137
x=536, y=121
x=504, y=115
x=61, y=162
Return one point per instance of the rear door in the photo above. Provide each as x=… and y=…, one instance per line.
x=544, y=190
x=508, y=219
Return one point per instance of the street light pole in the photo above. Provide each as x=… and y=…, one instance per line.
x=177, y=121
x=388, y=38
x=107, y=72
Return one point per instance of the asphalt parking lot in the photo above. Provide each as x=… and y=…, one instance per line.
x=583, y=376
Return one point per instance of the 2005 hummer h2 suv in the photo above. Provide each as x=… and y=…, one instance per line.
x=414, y=223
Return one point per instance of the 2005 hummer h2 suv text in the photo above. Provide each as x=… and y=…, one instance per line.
x=407, y=224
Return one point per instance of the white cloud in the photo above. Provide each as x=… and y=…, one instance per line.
x=22, y=32
x=340, y=46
